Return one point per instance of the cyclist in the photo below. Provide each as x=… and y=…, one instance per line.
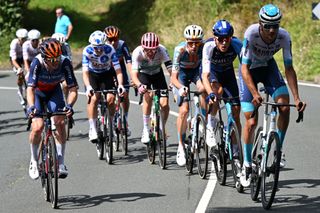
x=186, y=62
x=146, y=72
x=47, y=70
x=261, y=42
x=124, y=57
x=218, y=75
x=30, y=49
x=98, y=74
x=66, y=50
x=16, y=60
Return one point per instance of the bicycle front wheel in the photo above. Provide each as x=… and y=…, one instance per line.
x=270, y=175
x=256, y=165
x=124, y=133
x=42, y=171
x=52, y=158
x=161, y=141
x=201, y=147
x=219, y=156
x=101, y=139
x=108, y=129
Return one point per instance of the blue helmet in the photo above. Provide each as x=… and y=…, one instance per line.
x=270, y=14
x=222, y=29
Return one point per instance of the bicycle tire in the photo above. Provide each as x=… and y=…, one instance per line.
x=53, y=171
x=268, y=191
x=189, y=155
x=219, y=156
x=161, y=141
x=108, y=128
x=66, y=123
x=42, y=172
x=256, y=160
x=236, y=169
x=101, y=139
x=202, y=147
x=118, y=129
x=124, y=131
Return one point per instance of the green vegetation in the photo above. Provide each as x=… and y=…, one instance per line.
x=168, y=18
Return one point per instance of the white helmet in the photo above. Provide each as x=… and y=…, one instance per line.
x=22, y=33
x=34, y=34
x=60, y=37
x=193, y=32
x=97, y=38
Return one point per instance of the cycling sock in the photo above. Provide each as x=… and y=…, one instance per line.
x=146, y=120
x=203, y=112
x=247, y=155
x=92, y=123
x=183, y=137
x=34, y=151
x=281, y=136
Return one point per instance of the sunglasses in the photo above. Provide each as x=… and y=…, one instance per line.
x=34, y=40
x=193, y=43
x=223, y=39
x=52, y=60
x=149, y=50
x=112, y=39
x=98, y=48
x=269, y=26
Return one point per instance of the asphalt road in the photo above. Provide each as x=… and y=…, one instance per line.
x=131, y=184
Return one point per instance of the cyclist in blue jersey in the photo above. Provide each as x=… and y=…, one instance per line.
x=261, y=42
x=47, y=70
x=186, y=62
x=218, y=73
x=124, y=56
x=98, y=64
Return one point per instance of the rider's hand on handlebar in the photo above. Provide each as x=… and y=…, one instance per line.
x=68, y=108
x=212, y=98
x=31, y=111
x=121, y=90
x=183, y=91
x=300, y=105
x=257, y=100
x=142, y=89
x=89, y=91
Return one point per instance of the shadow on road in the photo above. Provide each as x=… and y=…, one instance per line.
x=87, y=201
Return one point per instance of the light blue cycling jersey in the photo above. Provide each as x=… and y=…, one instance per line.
x=257, y=53
x=100, y=63
x=183, y=60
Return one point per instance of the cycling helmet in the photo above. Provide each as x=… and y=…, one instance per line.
x=222, y=28
x=22, y=33
x=150, y=41
x=34, y=34
x=112, y=32
x=193, y=32
x=270, y=14
x=50, y=48
x=60, y=37
x=97, y=38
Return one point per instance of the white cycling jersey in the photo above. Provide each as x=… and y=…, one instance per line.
x=28, y=52
x=257, y=53
x=141, y=63
x=15, y=49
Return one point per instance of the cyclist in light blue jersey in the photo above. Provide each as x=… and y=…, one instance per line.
x=186, y=62
x=124, y=56
x=98, y=64
x=261, y=42
x=218, y=74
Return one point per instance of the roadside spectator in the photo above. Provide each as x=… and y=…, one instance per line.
x=63, y=23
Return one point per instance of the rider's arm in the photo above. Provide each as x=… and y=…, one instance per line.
x=206, y=65
x=292, y=81
x=176, y=67
x=135, y=67
x=72, y=96
x=248, y=79
x=71, y=81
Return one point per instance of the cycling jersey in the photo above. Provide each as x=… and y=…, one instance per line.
x=100, y=63
x=47, y=81
x=141, y=63
x=28, y=51
x=257, y=53
x=216, y=61
x=15, y=49
x=123, y=53
x=183, y=60
x=66, y=51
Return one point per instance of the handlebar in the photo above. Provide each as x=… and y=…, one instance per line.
x=157, y=92
x=45, y=114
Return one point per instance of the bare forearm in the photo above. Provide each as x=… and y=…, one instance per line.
x=292, y=81
x=72, y=96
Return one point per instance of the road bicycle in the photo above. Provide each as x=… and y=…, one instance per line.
x=228, y=147
x=266, y=153
x=157, y=131
x=48, y=158
x=23, y=96
x=195, y=144
x=104, y=144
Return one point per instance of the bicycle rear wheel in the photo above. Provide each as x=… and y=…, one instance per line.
x=53, y=172
x=189, y=154
x=237, y=161
x=219, y=156
x=108, y=129
x=161, y=141
x=202, y=147
x=256, y=165
x=271, y=174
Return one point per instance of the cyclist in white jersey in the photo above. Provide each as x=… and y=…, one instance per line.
x=146, y=72
x=97, y=62
x=261, y=42
x=30, y=49
x=16, y=60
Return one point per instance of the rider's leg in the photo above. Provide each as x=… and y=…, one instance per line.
x=35, y=137
x=182, y=122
